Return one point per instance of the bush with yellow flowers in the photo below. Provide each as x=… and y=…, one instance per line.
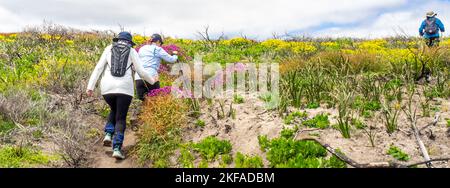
x=289, y=46
x=330, y=45
x=60, y=76
x=446, y=42
x=139, y=39
x=373, y=46
x=239, y=41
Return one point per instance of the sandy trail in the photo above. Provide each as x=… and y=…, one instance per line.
x=103, y=155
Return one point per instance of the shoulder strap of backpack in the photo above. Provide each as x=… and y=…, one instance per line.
x=430, y=21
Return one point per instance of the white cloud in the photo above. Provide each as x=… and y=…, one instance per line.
x=9, y=21
x=254, y=18
x=405, y=21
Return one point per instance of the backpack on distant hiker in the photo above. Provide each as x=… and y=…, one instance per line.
x=431, y=27
x=119, y=58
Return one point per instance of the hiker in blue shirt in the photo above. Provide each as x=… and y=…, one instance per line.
x=151, y=56
x=430, y=28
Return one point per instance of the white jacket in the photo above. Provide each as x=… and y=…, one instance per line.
x=117, y=85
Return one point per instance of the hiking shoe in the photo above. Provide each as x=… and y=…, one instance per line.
x=107, y=141
x=118, y=154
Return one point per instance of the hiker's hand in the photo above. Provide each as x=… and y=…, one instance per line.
x=175, y=52
x=90, y=93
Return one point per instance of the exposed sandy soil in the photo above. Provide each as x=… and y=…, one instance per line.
x=253, y=120
x=102, y=156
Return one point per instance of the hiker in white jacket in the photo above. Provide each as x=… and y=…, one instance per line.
x=117, y=86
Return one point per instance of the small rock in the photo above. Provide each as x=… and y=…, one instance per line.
x=227, y=128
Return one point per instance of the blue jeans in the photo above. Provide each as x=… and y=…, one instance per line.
x=119, y=105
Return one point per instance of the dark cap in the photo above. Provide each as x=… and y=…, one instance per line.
x=157, y=37
x=124, y=36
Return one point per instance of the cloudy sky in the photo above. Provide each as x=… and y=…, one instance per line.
x=257, y=19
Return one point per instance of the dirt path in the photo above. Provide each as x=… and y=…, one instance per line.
x=102, y=155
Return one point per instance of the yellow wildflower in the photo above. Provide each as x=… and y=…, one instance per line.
x=139, y=39
x=236, y=42
x=446, y=42
x=373, y=45
x=273, y=43
x=69, y=42
x=302, y=47
x=348, y=51
x=332, y=45
x=46, y=36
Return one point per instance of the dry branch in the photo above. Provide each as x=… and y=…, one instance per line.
x=433, y=123
x=355, y=164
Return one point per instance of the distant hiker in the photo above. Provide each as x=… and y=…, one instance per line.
x=430, y=28
x=151, y=56
x=116, y=68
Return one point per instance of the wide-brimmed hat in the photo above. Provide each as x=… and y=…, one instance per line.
x=124, y=36
x=431, y=14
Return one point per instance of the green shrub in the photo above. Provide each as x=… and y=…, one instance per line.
x=289, y=133
x=186, y=158
x=291, y=117
x=358, y=123
x=312, y=105
x=6, y=126
x=226, y=160
x=210, y=147
x=243, y=161
x=319, y=121
x=367, y=114
x=20, y=157
x=203, y=164
x=290, y=153
x=37, y=134
x=335, y=162
x=264, y=142
x=104, y=111
x=286, y=152
x=372, y=106
x=200, y=123
x=397, y=153
x=238, y=99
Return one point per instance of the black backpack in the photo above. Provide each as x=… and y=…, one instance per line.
x=119, y=58
x=431, y=27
